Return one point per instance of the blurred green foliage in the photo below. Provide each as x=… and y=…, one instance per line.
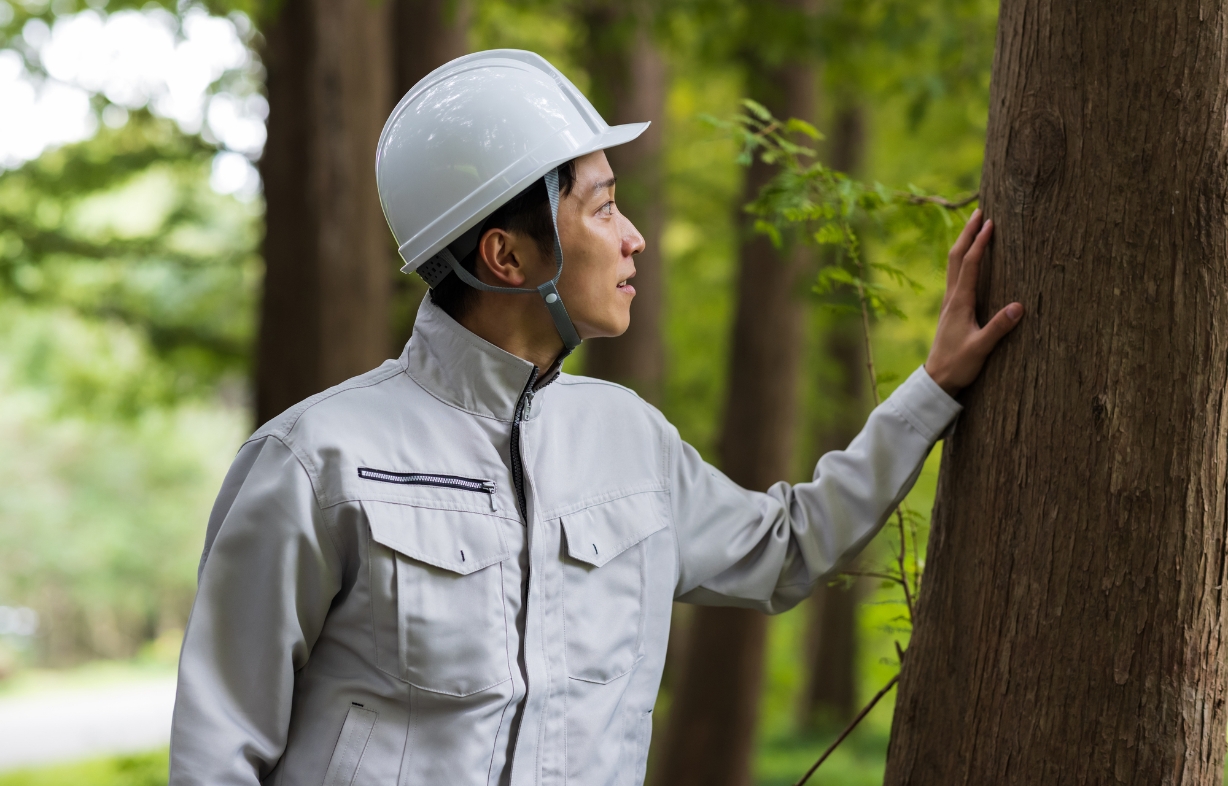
x=123, y=230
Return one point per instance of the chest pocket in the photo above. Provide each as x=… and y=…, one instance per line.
x=603, y=584
x=437, y=597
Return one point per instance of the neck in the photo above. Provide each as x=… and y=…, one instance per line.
x=518, y=324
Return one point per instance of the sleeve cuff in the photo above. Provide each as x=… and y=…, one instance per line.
x=925, y=406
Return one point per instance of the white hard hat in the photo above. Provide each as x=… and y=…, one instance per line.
x=470, y=136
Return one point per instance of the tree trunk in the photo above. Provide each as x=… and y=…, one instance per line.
x=426, y=35
x=324, y=314
x=1070, y=623
x=628, y=84
x=831, y=641
x=712, y=723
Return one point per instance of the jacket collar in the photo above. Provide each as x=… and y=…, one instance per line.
x=462, y=370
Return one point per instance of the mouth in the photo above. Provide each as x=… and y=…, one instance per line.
x=625, y=285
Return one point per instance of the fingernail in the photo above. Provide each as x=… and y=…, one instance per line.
x=1014, y=311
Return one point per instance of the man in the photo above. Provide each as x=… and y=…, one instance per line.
x=458, y=568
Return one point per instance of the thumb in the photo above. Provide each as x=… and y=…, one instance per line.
x=1002, y=323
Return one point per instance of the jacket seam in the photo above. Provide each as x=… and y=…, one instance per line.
x=575, y=379
x=313, y=480
x=322, y=397
x=923, y=385
x=609, y=496
x=911, y=419
x=673, y=519
x=455, y=695
x=507, y=656
x=312, y=476
x=423, y=503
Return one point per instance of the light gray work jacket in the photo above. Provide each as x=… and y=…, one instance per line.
x=447, y=573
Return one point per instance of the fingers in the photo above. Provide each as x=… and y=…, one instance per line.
x=971, y=267
x=956, y=258
x=995, y=329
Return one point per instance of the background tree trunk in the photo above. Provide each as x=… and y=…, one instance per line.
x=628, y=85
x=1070, y=627
x=324, y=313
x=426, y=34
x=831, y=639
x=712, y=723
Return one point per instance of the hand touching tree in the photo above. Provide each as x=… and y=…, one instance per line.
x=960, y=344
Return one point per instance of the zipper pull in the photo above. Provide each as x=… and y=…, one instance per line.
x=489, y=487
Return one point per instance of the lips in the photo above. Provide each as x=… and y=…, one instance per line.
x=625, y=286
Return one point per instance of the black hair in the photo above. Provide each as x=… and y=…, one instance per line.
x=529, y=213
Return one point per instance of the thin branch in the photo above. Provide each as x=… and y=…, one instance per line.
x=899, y=517
x=941, y=201
x=916, y=556
x=865, y=327
x=848, y=729
x=769, y=128
x=872, y=575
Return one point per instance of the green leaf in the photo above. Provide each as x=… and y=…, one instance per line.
x=769, y=229
x=799, y=126
x=758, y=109
x=830, y=235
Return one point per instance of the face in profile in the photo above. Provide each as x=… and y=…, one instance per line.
x=598, y=245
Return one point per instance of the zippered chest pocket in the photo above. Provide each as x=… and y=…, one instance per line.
x=434, y=480
x=604, y=584
x=437, y=597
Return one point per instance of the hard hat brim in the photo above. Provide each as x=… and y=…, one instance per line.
x=499, y=190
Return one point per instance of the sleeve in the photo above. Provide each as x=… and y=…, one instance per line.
x=268, y=575
x=766, y=550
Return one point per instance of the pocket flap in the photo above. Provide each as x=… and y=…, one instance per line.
x=600, y=533
x=456, y=541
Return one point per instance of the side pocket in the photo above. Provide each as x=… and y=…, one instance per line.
x=355, y=732
x=643, y=735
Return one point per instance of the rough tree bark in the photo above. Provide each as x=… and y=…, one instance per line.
x=712, y=721
x=831, y=638
x=324, y=313
x=627, y=85
x=426, y=34
x=1070, y=627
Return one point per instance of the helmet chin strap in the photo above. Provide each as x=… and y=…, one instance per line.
x=549, y=291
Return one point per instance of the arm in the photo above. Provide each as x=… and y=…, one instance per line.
x=267, y=577
x=765, y=551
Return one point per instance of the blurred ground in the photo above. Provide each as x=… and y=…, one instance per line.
x=85, y=714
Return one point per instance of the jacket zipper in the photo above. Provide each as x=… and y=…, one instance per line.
x=526, y=398
x=523, y=404
x=431, y=479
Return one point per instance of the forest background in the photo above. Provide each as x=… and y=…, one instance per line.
x=130, y=284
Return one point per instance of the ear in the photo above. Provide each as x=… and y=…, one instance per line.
x=501, y=256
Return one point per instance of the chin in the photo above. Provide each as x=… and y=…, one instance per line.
x=611, y=327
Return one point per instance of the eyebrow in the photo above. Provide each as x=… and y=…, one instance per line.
x=604, y=184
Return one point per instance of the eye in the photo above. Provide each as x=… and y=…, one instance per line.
x=607, y=209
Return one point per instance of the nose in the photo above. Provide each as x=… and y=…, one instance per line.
x=633, y=241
